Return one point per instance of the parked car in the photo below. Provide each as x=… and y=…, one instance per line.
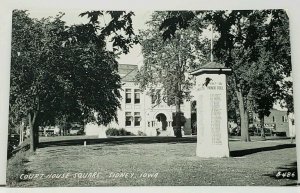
x=76, y=131
x=235, y=131
x=281, y=134
x=268, y=132
x=51, y=131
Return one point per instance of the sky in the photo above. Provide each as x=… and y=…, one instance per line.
x=72, y=17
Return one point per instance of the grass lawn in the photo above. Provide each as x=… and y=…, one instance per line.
x=157, y=161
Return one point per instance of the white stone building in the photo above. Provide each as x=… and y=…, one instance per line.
x=139, y=113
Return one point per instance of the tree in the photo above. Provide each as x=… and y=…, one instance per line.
x=264, y=90
x=244, y=38
x=119, y=29
x=26, y=65
x=167, y=63
x=60, y=72
x=286, y=96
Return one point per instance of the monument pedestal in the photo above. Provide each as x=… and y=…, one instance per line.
x=212, y=121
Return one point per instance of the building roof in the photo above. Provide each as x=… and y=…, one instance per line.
x=128, y=72
x=212, y=68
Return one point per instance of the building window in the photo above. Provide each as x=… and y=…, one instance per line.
x=128, y=95
x=273, y=119
x=137, y=96
x=137, y=119
x=128, y=118
x=284, y=119
x=153, y=123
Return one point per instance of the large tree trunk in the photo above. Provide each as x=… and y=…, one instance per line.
x=244, y=117
x=32, y=141
x=36, y=132
x=177, y=127
x=262, y=127
x=180, y=74
x=33, y=131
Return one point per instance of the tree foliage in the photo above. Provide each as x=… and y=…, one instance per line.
x=286, y=97
x=165, y=73
x=255, y=44
x=119, y=29
x=64, y=72
x=167, y=63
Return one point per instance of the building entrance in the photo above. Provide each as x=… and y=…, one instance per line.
x=162, y=120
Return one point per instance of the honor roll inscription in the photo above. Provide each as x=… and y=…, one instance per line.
x=215, y=100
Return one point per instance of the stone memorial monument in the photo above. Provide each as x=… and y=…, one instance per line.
x=211, y=99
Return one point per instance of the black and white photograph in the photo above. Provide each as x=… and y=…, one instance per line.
x=102, y=98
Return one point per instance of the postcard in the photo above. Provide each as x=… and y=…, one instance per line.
x=151, y=98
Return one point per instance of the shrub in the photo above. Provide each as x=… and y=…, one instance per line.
x=141, y=133
x=117, y=132
x=122, y=132
x=112, y=132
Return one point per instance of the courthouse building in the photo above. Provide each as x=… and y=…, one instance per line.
x=139, y=113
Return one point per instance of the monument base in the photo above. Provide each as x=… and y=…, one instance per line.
x=212, y=151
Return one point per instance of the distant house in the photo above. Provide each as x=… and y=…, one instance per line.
x=139, y=111
x=278, y=122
